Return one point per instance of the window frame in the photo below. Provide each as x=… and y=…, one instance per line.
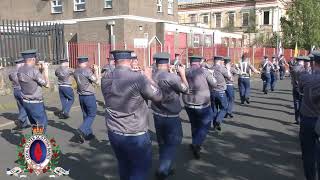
x=264, y=19
x=170, y=7
x=205, y=16
x=196, y=40
x=193, y=18
x=216, y=22
x=160, y=4
x=234, y=18
x=54, y=6
x=243, y=25
x=75, y=5
x=105, y=4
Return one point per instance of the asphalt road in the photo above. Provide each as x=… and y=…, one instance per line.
x=260, y=143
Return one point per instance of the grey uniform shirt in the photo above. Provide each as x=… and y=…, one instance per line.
x=310, y=86
x=171, y=87
x=221, y=75
x=107, y=68
x=233, y=72
x=64, y=75
x=85, y=79
x=125, y=92
x=297, y=70
x=31, y=81
x=266, y=67
x=200, y=82
x=13, y=77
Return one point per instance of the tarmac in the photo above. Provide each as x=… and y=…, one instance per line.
x=259, y=143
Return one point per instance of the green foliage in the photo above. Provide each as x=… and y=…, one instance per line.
x=302, y=24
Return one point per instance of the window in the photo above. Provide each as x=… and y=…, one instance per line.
x=159, y=6
x=56, y=6
x=196, y=41
x=193, y=18
x=245, y=19
x=231, y=19
x=79, y=5
x=266, y=17
x=208, y=41
x=205, y=19
x=108, y=4
x=218, y=20
x=170, y=6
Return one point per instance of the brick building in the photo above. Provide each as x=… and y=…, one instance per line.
x=96, y=20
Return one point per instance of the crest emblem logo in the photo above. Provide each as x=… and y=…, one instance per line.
x=37, y=153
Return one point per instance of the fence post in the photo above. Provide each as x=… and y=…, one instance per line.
x=202, y=50
x=99, y=60
x=228, y=51
x=264, y=51
x=187, y=57
x=67, y=51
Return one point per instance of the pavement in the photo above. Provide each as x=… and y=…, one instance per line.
x=259, y=143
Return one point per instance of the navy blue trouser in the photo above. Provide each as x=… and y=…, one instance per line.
x=244, y=88
x=219, y=105
x=266, y=78
x=296, y=104
x=36, y=113
x=274, y=79
x=169, y=136
x=282, y=72
x=310, y=147
x=134, y=155
x=230, y=97
x=67, y=98
x=23, y=117
x=200, y=120
x=89, y=109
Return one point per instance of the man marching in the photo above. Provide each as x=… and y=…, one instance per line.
x=22, y=121
x=219, y=101
x=197, y=102
x=230, y=86
x=274, y=72
x=297, y=70
x=244, y=79
x=266, y=68
x=166, y=113
x=85, y=78
x=66, y=94
x=31, y=81
x=309, y=86
x=125, y=93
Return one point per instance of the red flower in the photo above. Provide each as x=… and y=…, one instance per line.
x=20, y=154
x=23, y=140
x=31, y=170
x=52, y=141
x=44, y=170
x=54, y=145
x=55, y=155
x=20, y=145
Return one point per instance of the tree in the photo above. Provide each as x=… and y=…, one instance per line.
x=302, y=24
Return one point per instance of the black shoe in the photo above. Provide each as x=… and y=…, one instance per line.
x=58, y=113
x=265, y=92
x=63, y=116
x=247, y=100
x=196, y=152
x=226, y=116
x=20, y=128
x=162, y=176
x=81, y=136
x=242, y=103
x=272, y=90
x=89, y=137
x=230, y=115
x=297, y=123
x=218, y=127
